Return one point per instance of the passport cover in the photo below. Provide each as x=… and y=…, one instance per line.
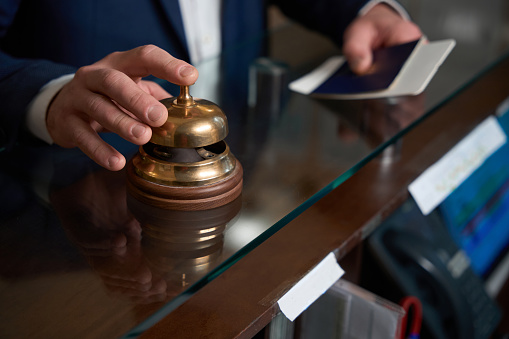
x=387, y=64
x=404, y=69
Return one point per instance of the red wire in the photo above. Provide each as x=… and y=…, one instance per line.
x=407, y=303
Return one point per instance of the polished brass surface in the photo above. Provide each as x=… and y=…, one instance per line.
x=212, y=168
x=191, y=122
x=188, y=150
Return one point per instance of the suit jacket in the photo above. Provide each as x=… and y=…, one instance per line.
x=42, y=40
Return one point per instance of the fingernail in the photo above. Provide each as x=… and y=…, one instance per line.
x=155, y=113
x=138, y=131
x=186, y=71
x=113, y=160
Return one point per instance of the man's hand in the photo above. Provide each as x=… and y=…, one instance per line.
x=109, y=95
x=379, y=27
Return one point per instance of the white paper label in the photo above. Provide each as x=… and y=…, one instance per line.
x=438, y=181
x=311, y=287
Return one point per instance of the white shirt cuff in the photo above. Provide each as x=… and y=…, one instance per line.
x=36, y=114
x=392, y=3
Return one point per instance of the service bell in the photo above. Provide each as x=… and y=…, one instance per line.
x=186, y=165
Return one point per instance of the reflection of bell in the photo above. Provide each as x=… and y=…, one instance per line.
x=182, y=246
x=186, y=165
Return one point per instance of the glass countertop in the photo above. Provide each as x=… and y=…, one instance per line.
x=75, y=260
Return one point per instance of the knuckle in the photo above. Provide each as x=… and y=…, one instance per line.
x=95, y=152
x=86, y=143
x=120, y=122
x=110, y=78
x=79, y=138
x=137, y=100
x=171, y=65
x=144, y=51
x=83, y=72
x=110, y=58
x=114, y=55
x=95, y=104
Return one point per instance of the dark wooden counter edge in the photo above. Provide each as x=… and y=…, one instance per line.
x=242, y=300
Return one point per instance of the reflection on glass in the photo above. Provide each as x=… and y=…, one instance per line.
x=140, y=252
x=379, y=120
x=180, y=247
x=293, y=149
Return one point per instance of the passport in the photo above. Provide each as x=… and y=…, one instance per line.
x=387, y=64
x=404, y=69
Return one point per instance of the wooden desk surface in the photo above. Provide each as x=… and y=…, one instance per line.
x=242, y=300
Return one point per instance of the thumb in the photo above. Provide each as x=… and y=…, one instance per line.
x=357, y=47
x=361, y=62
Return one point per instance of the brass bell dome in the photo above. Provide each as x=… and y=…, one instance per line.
x=186, y=165
x=191, y=122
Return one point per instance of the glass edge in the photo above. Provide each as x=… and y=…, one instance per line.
x=230, y=261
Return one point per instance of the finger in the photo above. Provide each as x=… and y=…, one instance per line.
x=154, y=89
x=124, y=91
x=402, y=32
x=110, y=117
x=359, y=42
x=94, y=147
x=133, y=230
x=152, y=60
x=150, y=299
x=93, y=240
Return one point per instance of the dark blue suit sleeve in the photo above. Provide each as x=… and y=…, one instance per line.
x=20, y=81
x=329, y=17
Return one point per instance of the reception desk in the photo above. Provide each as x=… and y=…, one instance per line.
x=319, y=177
x=242, y=300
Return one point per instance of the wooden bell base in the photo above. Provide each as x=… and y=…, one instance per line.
x=195, y=198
